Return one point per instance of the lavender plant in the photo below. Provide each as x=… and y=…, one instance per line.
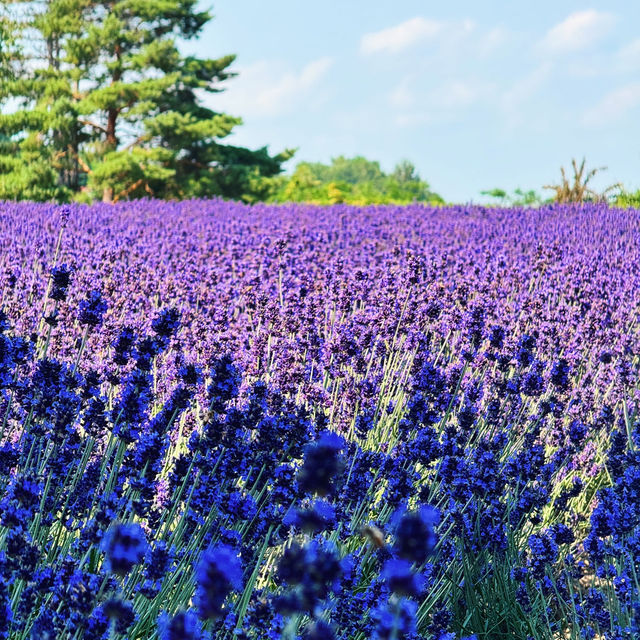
x=222, y=421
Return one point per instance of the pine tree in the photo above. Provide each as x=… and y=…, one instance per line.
x=99, y=102
x=33, y=163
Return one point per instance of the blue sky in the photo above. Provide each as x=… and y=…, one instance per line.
x=476, y=94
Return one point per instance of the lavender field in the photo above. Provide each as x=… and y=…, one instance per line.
x=223, y=421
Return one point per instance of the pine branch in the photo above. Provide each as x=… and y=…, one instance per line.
x=95, y=125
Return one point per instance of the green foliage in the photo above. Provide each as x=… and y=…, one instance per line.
x=98, y=102
x=627, y=199
x=27, y=172
x=519, y=198
x=132, y=173
x=354, y=171
x=353, y=181
x=574, y=189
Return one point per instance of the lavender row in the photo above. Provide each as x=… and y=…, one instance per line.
x=227, y=421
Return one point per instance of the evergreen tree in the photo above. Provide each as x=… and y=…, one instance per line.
x=33, y=135
x=100, y=103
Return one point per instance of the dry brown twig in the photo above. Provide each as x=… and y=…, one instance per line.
x=579, y=191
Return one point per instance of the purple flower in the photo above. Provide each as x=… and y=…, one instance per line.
x=125, y=545
x=322, y=465
x=401, y=578
x=183, y=626
x=218, y=574
x=121, y=614
x=60, y=279
x=415, y=535
x=166, y=323
x=92, y=309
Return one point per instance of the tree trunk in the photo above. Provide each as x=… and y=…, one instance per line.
x=112, y=118
x=111, y=138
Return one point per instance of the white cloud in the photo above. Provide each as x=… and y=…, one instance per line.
x=402, y=95
x=447, y=102
x=265, y=89
x=525, y=88
x=578, y=31
x=395, y=39
x=273, y=98
x=514, y=101
x=455, y=94
x=416, y=119
x=613, y=106
x=624, y=61
x=629, y=55
x=631, y=51
x=492, y=40
x=451, y=41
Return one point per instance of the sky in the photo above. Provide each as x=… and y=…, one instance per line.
x=477, y=95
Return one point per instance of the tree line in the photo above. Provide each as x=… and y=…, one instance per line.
x=353, y=181
x=98, y=103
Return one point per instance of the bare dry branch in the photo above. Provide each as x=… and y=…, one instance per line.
x=579, y=191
